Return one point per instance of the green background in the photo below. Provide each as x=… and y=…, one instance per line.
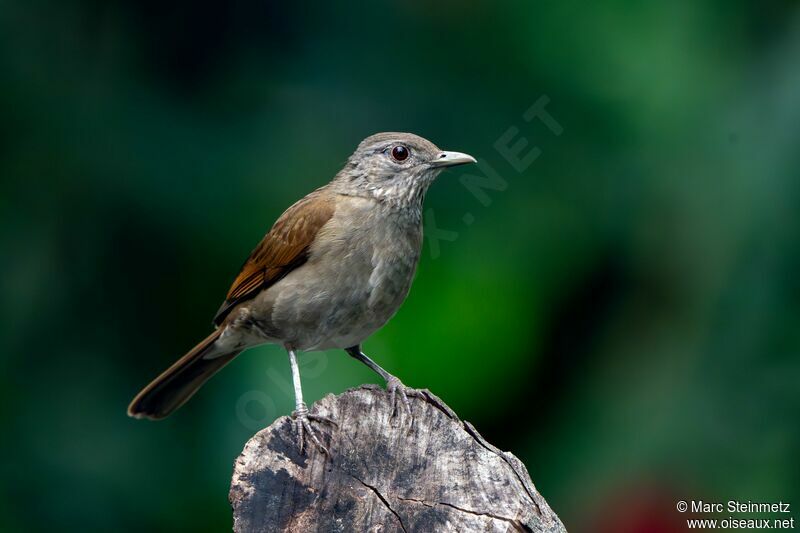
x=624, y=316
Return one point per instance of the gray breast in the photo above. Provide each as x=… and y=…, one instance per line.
x=359, y=272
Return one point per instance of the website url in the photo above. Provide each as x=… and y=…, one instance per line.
x=740, y=523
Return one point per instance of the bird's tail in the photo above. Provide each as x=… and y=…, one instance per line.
x=179, y=382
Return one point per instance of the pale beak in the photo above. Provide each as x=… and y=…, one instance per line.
x=449, y=159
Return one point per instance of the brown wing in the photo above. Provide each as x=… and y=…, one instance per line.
x=281, y=250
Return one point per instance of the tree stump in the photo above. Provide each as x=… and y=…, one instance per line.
x=435, y=473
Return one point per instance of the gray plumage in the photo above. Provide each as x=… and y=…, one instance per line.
x=334, y=268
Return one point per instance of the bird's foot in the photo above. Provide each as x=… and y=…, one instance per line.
x=301, y=424
x=399, y=392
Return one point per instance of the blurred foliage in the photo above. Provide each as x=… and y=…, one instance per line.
x=625, y=317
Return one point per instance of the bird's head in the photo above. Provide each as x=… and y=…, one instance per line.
x=396, y=168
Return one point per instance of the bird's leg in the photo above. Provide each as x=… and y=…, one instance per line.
x=393, y=384
x=300, y=416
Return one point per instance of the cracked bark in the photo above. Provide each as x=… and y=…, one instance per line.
x=384, y=474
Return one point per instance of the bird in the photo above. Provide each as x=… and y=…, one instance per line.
x=332, y=270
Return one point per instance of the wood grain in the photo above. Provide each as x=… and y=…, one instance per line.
x=384, y=474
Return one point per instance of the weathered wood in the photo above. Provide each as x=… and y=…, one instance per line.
x=384, y=474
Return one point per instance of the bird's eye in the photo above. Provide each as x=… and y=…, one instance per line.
x=400, y=153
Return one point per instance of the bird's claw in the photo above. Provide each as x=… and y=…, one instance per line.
x=301, y=424
x=398, y=390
